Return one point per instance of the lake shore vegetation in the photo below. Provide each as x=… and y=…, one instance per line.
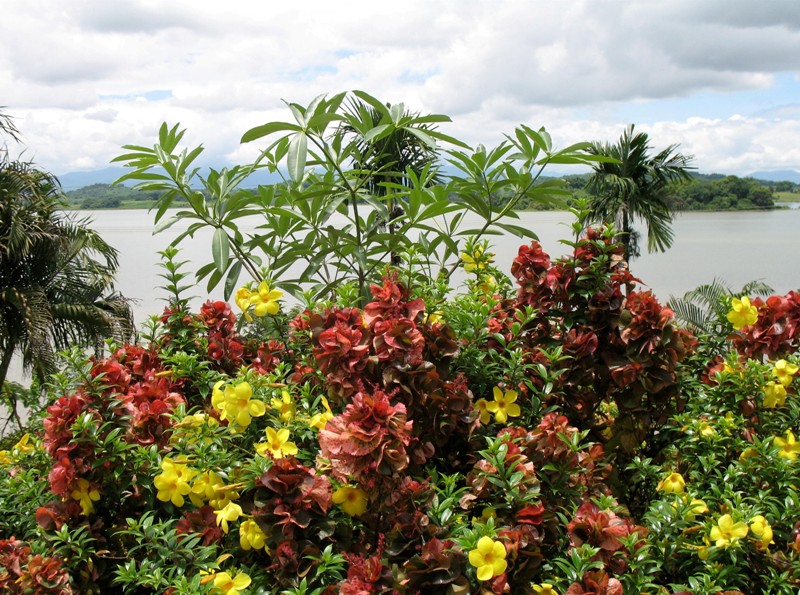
x=549, y=429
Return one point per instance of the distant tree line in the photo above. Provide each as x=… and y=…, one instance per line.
x=703, y=192
x=108, y=196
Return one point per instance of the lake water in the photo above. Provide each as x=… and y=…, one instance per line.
x=736, y=247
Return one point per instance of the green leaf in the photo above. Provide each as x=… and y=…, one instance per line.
x=232, y=279
x=296, y=158
x=267, y=129
x=220, y=249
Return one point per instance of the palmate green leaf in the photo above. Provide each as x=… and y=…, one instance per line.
x=220, y=249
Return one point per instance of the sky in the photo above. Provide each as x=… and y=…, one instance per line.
x=719, y=78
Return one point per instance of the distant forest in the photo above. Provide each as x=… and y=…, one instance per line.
x=706, y=192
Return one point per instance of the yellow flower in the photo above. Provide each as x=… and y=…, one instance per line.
x=487, y=284
x=22, y=447
x=204, y=488
x=265, y=300
x=85, y=494
x=703, y=551
x=223, y=495
x=243, y=298
x=698, y=506
x=762, y=531
x=725, y=533
x=475, y=261
x=481, y=405
x=352, y=500
x=5, y=458
x=173, y=482
x=285, y=405
x=277, y=444
x=489, y=557
x=433, y=317
x=228, y=514
x=503, y=405
x=706, y=429
x=235, y=403
x=545, y=589
x=774, y=394
x=788, y=447
x=748, y=453
x=225, y=584
x=320, y=420
x=742, y=313
x=672, y=484
x=784, y=371
x=251, y=537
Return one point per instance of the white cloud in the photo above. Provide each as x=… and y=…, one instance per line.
x=71, y=72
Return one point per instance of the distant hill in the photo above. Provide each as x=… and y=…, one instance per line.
x=777, y=175
x=81, y=179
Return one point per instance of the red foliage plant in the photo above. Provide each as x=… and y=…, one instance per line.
x=614, y=346
x=776, y=333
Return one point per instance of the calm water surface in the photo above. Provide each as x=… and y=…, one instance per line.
x=736, y=247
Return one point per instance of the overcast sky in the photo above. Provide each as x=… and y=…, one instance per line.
x=718, y=77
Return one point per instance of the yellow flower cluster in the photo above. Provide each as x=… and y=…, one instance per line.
x=235, y=403
x=762, y=531
x=263, y=301
x=476, y=260
x=503, y=406
x=22, y=448
x=177, y=480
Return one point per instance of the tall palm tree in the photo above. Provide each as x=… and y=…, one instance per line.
x=635, y=186
x=56, y=274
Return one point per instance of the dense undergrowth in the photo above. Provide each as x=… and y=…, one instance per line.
x=552, y=431
x=561, y=436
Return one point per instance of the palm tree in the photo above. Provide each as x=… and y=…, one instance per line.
x=56, y=274
x=388, y=160
x=635, y=186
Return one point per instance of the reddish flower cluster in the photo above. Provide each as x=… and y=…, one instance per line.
x=776, y=333
x=21, y=572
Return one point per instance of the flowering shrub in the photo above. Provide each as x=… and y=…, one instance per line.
x=556, y=440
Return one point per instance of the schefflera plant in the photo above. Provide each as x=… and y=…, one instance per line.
x=361, y=187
